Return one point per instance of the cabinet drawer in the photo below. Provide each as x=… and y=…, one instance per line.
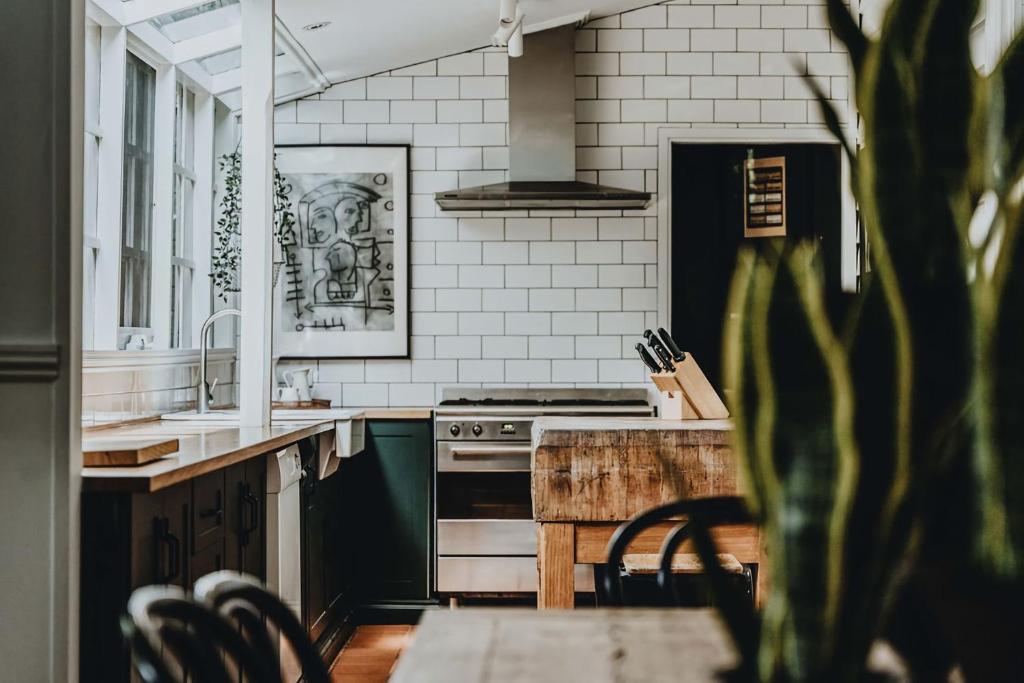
x=486, y=537
x=207, y=561
x=483, y=457
x=499, y=575
x=208, y=501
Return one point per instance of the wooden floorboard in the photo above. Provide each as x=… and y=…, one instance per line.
x=371, y=653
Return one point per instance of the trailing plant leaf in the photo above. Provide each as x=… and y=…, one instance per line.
x=226, y=259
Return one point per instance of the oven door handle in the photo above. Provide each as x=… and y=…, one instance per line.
x=477, y=451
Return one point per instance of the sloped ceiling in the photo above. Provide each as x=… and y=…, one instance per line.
x=367, y=37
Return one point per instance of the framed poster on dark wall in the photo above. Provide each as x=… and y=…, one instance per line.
x=341, y=287
x=764, y=197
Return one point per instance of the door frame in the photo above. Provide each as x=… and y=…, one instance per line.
x=670, y=136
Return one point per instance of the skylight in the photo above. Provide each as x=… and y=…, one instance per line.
x=196, y=21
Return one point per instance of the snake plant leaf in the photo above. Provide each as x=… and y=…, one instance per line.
x=846, y=28
x=832, y=119
x=1000, y=408
x=794, y=452
x=1007, y=84
x=947, y=84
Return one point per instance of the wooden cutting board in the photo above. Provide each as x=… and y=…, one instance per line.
x=114, y=451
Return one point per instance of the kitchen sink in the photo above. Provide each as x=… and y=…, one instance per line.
x=222, y=416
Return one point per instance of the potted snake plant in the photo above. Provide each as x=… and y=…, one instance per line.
x=883, y=437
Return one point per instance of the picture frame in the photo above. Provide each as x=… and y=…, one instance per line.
x=764, y=197
x=341, y=284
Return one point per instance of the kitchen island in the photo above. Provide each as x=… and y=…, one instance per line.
x=588, y=475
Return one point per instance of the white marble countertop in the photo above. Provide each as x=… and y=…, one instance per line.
x=202, y=448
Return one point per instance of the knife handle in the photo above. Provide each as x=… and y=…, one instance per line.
x=647, y=359
x=670, y=344
x=661, y=353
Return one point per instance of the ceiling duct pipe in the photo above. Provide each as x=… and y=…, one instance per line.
x=510, y=28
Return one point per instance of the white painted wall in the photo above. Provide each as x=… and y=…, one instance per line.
x=558, y=298
x=40, y=342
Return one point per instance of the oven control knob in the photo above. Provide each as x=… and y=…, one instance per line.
x=477, y=430
x=454, y=429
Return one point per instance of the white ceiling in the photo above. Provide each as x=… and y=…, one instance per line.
x=365, y=38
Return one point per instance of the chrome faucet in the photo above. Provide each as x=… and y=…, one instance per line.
x=204, y=390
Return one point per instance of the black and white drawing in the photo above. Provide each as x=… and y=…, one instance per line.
x=342, y=288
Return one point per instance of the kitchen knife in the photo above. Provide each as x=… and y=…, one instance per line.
x=647, y=359
x=659, y=350
x=677, y=355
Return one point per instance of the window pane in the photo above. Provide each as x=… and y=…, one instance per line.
x=92, y=74
x=88, y=296
x=182, y=218
x=137, y=202
x=91, y=184
x=181, y=306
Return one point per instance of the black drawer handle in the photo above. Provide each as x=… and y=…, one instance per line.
x=254, y=509
x=165, y=537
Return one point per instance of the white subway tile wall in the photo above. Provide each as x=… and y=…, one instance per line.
x=558, y=298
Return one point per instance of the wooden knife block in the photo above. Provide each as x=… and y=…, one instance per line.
x=686, y=394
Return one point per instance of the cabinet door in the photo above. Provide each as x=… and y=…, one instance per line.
x=254, y=550
x=160, y=524
x=395, y=478
x=314, y=570
x=207, y=561
x=208, y=510
x=177, y=505
x=235, y=517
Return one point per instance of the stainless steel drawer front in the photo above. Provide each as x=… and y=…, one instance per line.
x=486, y=537
x=483, y=457
x=499, y=575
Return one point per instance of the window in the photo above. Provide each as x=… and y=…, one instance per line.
x=183, y=264
x=137, y=196
x=148, y=170
x=93, y=139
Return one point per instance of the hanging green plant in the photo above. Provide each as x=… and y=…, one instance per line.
x=226, y=261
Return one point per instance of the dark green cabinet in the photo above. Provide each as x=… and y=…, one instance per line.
x=172, y=536
x=395, y=528
x=328, y=555
x=246, y=491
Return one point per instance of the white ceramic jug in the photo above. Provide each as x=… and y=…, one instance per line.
x=299, y=379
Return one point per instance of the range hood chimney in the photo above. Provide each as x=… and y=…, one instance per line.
x=542, y=138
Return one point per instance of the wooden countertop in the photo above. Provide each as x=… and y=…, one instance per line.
x=509, y=645
x=544, y=427
x=608, y=469
x=202, y=448
x=424, y=413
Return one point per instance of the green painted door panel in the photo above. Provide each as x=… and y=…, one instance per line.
x=395, y=475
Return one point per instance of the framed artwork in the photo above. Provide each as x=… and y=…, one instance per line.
x=341, y=285
x=764, y=203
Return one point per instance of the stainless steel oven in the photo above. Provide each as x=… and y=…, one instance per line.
x=486, y=537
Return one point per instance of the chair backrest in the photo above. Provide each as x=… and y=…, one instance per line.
x=170, y=634
x=243, y=598
x=701, y=514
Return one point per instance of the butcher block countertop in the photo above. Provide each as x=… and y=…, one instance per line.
x=202, y=448
x=606, y=469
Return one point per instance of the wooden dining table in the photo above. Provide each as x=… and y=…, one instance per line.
x=512, y=645
x=591, y=474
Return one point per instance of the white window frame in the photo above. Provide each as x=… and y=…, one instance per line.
x=102, y=317
x=91, y=243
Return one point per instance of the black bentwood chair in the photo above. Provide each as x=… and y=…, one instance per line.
x=170, y=635
x=668, y=579
x=243, y=599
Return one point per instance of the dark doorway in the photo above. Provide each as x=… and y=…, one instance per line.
x=707, y=230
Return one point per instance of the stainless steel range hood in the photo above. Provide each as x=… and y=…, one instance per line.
x=542, y=138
